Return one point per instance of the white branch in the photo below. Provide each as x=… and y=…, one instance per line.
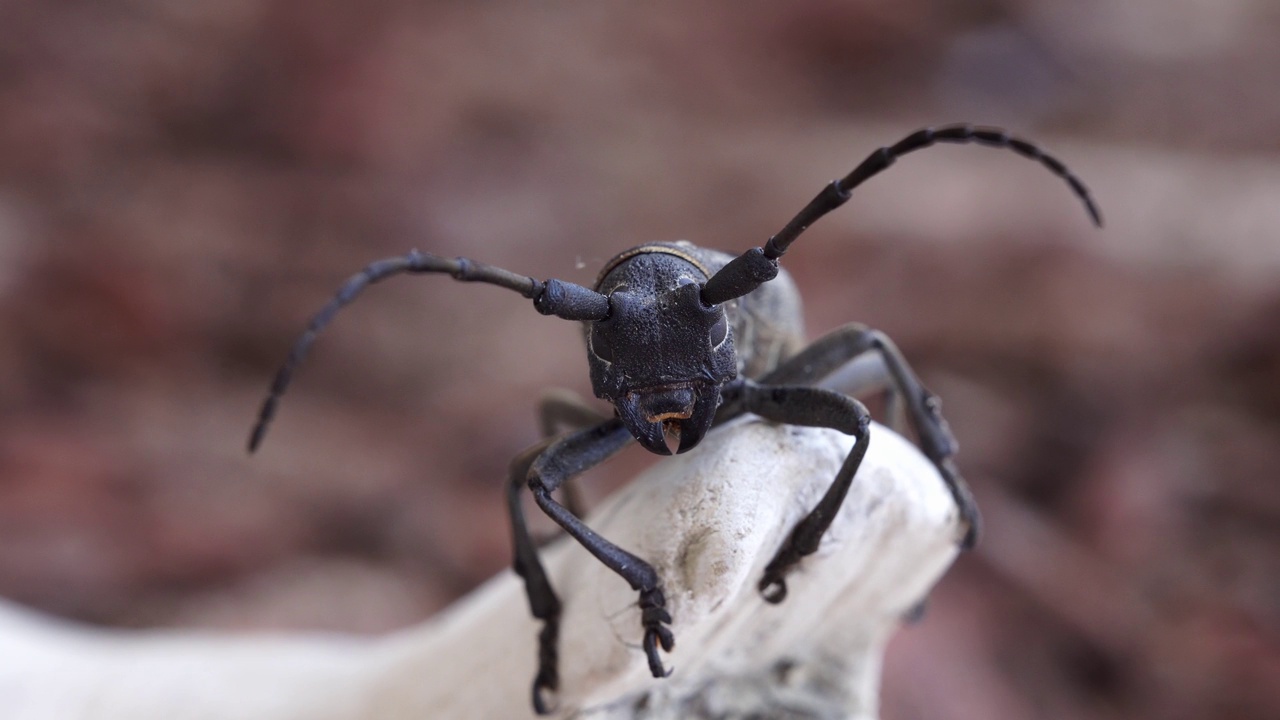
x=708, y=521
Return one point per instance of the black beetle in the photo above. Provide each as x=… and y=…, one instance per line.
x=679, y=339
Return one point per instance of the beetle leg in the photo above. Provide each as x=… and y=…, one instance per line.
x=867, y=375
x=568, y=457
x=828, y=354
x=544, y=604
x=815, y=407
x=561, y=410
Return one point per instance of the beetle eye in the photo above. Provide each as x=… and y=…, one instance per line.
x=720, y=331
x=600, y=345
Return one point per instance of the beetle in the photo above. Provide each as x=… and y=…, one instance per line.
x=680, y=339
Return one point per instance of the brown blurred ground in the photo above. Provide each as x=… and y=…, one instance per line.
x=182, y=184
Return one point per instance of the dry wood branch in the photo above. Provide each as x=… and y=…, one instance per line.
x=708, y=521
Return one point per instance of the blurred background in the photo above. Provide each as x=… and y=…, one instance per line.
x=183, y=183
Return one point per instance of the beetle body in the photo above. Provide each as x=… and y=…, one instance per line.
x=679, y=338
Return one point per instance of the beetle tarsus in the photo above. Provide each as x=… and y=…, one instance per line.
x=772, y=587
x=970, y=516
x=547, y=681
x=655, y=618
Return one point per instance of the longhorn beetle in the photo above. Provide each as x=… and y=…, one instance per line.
x=679, y=339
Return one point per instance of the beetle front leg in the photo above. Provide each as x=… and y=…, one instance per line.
x=837, y=349
x=592, y=446
x=560, y=410
x=568, y=457
x=814, y=407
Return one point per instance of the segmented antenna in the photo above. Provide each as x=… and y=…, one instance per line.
x=414, y=262
x=839, y=191
x=759, y=265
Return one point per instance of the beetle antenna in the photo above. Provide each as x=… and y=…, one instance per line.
x=748, y=271
x=550, y=297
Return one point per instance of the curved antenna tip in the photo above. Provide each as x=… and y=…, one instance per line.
x=259, y=430
x=255, y=439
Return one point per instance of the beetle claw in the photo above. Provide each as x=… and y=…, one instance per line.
x=773, y=589
x=541, y=685
x=655, y=618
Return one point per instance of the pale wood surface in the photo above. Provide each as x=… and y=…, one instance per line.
x=708, y=521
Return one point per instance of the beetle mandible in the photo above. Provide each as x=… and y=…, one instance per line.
x=680, y=339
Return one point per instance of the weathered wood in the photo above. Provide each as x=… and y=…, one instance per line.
x=708, y=521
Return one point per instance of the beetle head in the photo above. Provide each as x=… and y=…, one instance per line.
x=662, y=355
